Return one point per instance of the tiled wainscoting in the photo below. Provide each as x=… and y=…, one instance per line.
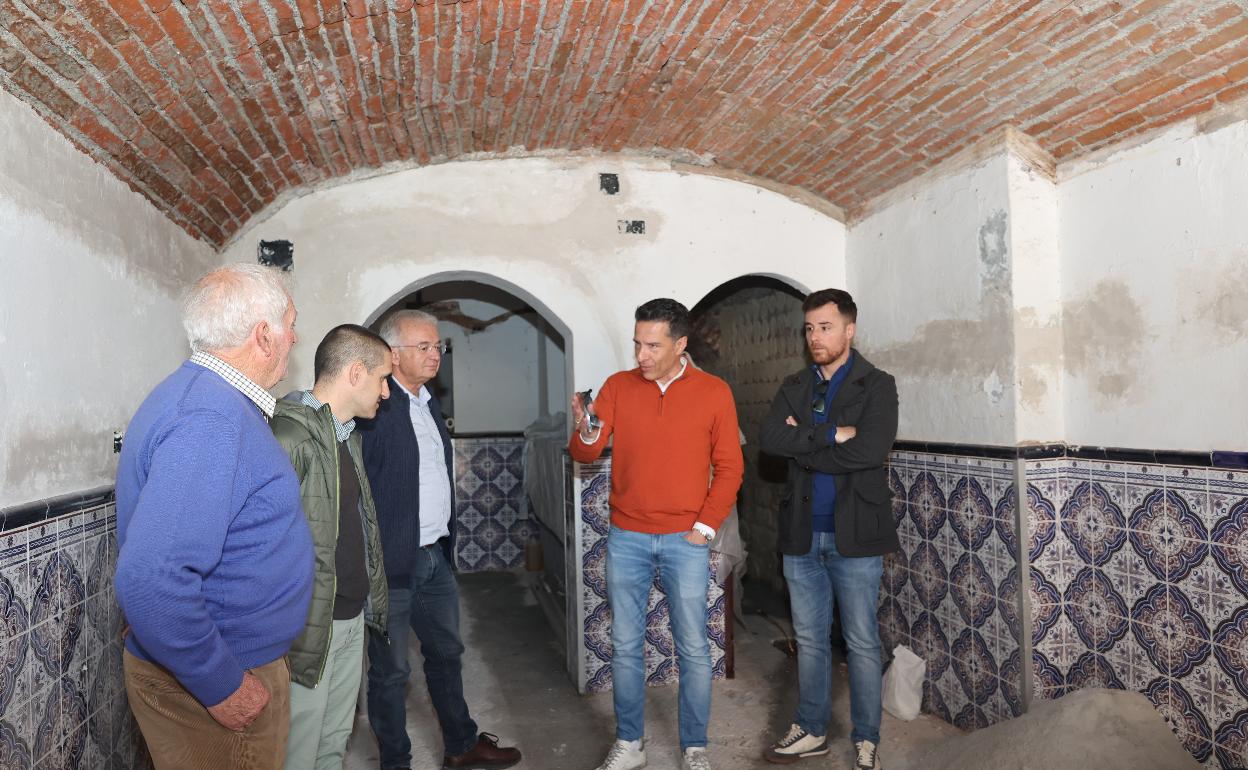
x=951, y=594
x=1136, y=578
x=491, y=508
x=591, y=488
x=62, y=694
x=1139, y=580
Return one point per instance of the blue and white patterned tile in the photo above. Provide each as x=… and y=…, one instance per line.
x=1069, y=562
x=1096, y=612
x=974, y=665
x=14, y=647
x=1230, y=649
x=13, y=554
x=1011, y=676
x=15, y=740
x=1042, y=528
x=41, y=545
x=1004, y=496
x=949, y=617
x=1200, y=685
x=971, y=717
x=970, y=514
x=946, y=544
x=1058, y=645
x=1112, y=477
x=1167, y=627
x=1048, y=680
x=1231, y=742
x=1175, y=704
x=951, y=692
x=909, y=600
x=926, y=503
x=1227, y=699
x=1046, y=608
x=894, y=623
x=1072, y=483
x=1170, y=538
x=973, y=590
x=1192, y=484
x=934, y=701
x=1225, y=489
x=1197, y=585
x=1135, y=667
x=930, y=643
x=1118, y=567
x=1229, y=541
x=1093, y=524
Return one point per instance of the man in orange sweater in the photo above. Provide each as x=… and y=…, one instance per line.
x=672, y=424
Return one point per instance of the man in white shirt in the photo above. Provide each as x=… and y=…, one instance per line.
x=407, y=456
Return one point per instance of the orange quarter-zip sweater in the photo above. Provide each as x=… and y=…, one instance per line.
x=665, y=447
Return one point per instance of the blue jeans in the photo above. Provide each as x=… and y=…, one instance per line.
x=684, y=568
x=816, y=580
x=429, y=605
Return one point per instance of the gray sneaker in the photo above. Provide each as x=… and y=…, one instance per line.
x=696, y=758
x=868, y=756
x=623, y=756
x=796, y=744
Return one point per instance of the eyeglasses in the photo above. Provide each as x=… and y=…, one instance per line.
x=820, y=404
x=424, y=347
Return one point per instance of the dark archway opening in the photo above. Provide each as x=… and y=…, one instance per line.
x=748, y=331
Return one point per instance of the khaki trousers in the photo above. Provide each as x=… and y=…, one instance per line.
x=182, y=735
x=321, y=717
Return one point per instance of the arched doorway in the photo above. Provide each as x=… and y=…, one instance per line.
x=505, y=376
x=748, y=331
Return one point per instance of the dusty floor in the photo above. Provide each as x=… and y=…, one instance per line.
x=517, y=688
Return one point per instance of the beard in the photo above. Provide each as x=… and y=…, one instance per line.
x=827, y=355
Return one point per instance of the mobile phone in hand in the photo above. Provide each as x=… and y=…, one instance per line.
x=587, y=398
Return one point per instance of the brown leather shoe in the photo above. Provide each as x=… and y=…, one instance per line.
x=486, y=755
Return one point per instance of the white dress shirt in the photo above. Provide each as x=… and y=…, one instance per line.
x=435, y=486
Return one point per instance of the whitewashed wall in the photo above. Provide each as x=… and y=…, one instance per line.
x=1154, y=255
x=540, y=227
x=1109, y=308
x=931, y=274
x=1036, y=294
x=90, y=275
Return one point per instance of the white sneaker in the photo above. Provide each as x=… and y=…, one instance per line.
x=868, y=756
x=796, y=744
x=696, y=758
x=623, y=756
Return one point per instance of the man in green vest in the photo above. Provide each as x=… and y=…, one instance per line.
x=315, y=427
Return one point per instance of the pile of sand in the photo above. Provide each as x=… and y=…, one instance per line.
x=1093, y=728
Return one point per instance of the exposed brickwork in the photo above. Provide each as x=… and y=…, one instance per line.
x=211, y=108
x=752, y=338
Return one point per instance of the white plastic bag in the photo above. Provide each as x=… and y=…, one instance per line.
x=903, y=684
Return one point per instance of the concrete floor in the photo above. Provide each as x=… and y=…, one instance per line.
x=517, y=688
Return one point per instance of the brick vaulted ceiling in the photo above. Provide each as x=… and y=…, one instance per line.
x=213, y=108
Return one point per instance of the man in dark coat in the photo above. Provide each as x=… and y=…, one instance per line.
x=835, y=421
x=407, y=456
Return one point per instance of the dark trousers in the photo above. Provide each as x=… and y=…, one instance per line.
x=429, y=605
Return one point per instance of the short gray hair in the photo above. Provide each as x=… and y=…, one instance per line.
x=224, y=305
x=389, y=330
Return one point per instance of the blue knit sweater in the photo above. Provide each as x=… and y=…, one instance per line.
x=215, y=567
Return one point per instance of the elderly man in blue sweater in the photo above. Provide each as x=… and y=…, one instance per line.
x=214, y=574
